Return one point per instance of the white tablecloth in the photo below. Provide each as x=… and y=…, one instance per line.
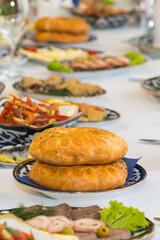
x=140, y=118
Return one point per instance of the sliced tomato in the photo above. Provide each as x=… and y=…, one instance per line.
x=32, y=49
x=92, y=52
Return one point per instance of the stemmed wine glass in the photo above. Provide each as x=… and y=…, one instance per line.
x=14, y=17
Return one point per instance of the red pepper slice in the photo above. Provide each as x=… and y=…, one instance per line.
x=6, y=110
x=57, y=117
x=1, y=228
x=32, y=49
x=29, y=120
x=92, y=52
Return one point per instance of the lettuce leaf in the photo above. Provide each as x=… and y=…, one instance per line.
x=119, y=216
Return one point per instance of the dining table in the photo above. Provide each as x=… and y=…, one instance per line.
x=139, y=119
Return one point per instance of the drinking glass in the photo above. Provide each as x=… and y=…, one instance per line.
x=14, y=17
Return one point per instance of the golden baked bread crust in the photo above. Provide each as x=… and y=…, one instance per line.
x=79, y=178
x=73, y=25
x=77, y=146
x=60, y=37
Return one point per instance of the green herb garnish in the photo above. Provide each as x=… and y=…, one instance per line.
x=57, y=66
x=135, y=58
x=11, y=230
x=57, y=92
x=119, y=216
x=14, y=158
x=26, y=214
x=108, y=1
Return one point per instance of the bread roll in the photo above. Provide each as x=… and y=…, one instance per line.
x=73, y=25
x=77, y=146
x=79, y=178
x=60, y=37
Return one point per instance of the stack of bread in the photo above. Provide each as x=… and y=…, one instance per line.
x=78, y=159
x=61, y=29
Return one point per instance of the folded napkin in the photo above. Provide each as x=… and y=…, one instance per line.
x=130, y=162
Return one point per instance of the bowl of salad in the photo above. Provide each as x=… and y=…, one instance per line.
x=22, y=119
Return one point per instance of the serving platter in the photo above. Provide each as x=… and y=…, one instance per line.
x=13, y=220
x=47, y=53
x=110, y=21
x=18, y=86
x=21, y=171
x=152, y=85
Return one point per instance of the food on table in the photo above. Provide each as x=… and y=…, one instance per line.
x=93, y=63
x=135, y=58
x=15, y=155
x=77, y=178
x=128, y=217
x=98, y=8
x=17, y=111
x=91, y=222
x=57, y=66
x=53, y=53
x=61, y=29
x=88, y=158
x=10, y=233
x=30, y=82
x=7, y=159
x=91, y=112
x=55, y=85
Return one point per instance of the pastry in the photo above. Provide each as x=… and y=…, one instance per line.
x=83, y=178
x=32, y=84
x=77, y=146
x=73, y=25
x=60, y=37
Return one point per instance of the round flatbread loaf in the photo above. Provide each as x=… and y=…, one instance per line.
x=77, y=146
x=60, y=37
x=83, y=178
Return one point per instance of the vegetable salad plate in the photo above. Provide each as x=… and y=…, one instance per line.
x=152, y=85
x=21, y=171
x=22, y=119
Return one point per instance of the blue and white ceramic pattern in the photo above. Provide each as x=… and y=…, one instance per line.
x=152, y=85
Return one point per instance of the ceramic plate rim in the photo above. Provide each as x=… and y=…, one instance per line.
x=152, y=91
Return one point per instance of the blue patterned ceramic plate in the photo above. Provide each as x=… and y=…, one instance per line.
x=21, y=171
x=152, y=85
x=111, y=21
